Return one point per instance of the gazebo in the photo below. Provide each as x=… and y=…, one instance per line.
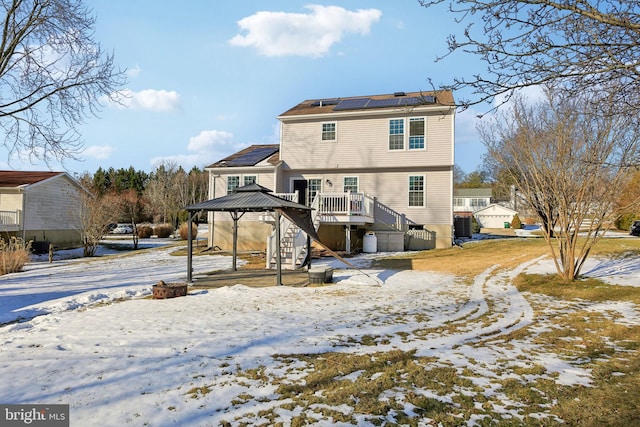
x=252, y=198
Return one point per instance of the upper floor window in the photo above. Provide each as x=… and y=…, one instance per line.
x=458, y=202
x=416, y=190
x=416, y=133
x=249, y=179
x=233, y=182
x=478, y=203
x=329, y=131
x=350, y=184
x=396, y=134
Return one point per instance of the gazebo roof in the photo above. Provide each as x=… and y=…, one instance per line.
x=250, y=198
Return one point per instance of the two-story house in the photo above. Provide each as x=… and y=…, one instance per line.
x=368, y=165
x=468, y=200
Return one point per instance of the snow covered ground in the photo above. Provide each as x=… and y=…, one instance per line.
x=134, y=362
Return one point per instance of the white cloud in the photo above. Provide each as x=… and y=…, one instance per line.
x=149, y=100
x=311, y=34
x=205, y=148
x=99, y=151
x=134, y=72
x=208, y=139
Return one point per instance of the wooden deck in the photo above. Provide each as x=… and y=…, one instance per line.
x=250, y=277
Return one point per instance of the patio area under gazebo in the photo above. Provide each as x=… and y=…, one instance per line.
x=252, y=198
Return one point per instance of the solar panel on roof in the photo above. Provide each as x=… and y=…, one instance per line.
x=252, y=157
x=361, y=103
x=352, y=104
x=381, y=103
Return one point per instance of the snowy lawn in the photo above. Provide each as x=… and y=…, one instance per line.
x=423, y=348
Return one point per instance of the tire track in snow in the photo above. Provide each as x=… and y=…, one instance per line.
x=492, y=296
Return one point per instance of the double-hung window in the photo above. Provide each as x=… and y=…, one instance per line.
x=478, y=203
x=416, y=133
x=233, y=182
x=396, y=134
x=329, y=131
x=416, y=190
x=314, y=186
x=416, y=140
x=350, y=184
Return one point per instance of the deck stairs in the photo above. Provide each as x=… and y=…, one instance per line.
x=293, y=242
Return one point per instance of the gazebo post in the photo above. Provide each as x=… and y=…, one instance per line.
x=189, y=250
x=278, y=251
x=234, y=215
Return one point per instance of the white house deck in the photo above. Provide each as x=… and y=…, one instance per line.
x=340, y=208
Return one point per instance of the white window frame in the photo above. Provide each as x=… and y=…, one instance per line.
x=323, y=132
x=241, y=181
x=390, y=134
x=311, y=193
x=406, y=134
x=229, y=187
x=357, y=179
x=424, y=134
x=410, y=191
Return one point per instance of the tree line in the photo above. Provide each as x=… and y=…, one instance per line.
x=135, y=197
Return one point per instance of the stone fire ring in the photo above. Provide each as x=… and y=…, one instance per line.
x=163, y=290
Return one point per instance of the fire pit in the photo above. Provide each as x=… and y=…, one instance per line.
x=163, y=290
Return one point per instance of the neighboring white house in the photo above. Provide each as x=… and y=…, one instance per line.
x=380, y=164
x=40, y=206
x=494, y=216
x=468, y=200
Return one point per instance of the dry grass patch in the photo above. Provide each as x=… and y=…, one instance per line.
x=470, y=260
x=591, y=340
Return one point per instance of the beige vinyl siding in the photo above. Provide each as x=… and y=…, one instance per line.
x=10, y=200
x=218, y=188
x=363, y=143
x=51, y=205
x=391, y=189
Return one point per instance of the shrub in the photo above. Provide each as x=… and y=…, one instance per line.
x=623, y=222
x=530, y=220
x=14, y=254
x=163, y=230
x=515, y=222
x=145, y=231
x=184, y=229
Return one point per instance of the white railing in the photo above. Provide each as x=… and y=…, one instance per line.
x=292, y=197
x=9, y=218
x=346, y=204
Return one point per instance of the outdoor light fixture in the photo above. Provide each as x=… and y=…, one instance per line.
x=329, y=183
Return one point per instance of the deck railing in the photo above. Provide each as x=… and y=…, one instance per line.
x=9, y=218
x=349, y=204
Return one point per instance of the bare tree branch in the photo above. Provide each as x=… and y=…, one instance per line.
x=570, y=158
x=53, y=76
x=523, y=43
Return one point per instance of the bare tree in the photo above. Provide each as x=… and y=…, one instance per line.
x=93, y=215
x=128, y=204
x=584, y=44
x=52, y=76
x=570, y=158
x=160, y=191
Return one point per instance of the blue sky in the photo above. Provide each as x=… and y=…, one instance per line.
x=206, y=78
